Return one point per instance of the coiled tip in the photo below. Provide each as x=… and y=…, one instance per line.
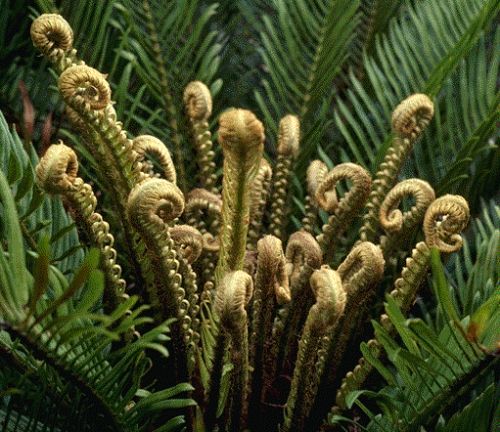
x=326, y=195
x=189, y=240
x=289, y=136
x=412, y=115
x=83, y=84
x=154, y=198
x=363, y=267
x=330, y=296
x=57, y=169
x=233, y=294
x=391, y=218
x=444, y=220
x=198, y=101
x=271, y=260
x=51, y=34
x=302, y=250
x=150, y=145
x=240, y=133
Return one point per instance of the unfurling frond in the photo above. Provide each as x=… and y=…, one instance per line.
x=444, y=220
x=344, y=210
x=52, y=34
x=147, y=145
x=324, y=314
x=57, y=173
x=409, y=119
x=288, y=148
x=241, y=136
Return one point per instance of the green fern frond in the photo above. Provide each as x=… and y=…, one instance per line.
x=423, y=67
x=303, y=49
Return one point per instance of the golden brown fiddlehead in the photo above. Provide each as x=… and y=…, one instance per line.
x=233, y=294
x=360, y=272
x=189, y=241
x=241, y=136
x=53, y=36
x=271, y=289
x=445, y=218
x=259, y=195
x=198, y=103
x=409, y=119
x=316, y=172
x=323, y=316
x=149, y=145
x=57, y=173
x=303, y=256
x=344, y=210
x=152, y=206
x=88, y=93
x=398, y=224
x=288, y=148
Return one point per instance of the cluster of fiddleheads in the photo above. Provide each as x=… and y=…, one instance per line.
x=250, y=308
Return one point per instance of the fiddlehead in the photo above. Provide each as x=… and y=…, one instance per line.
x=198, y=104
x=149, y=145
x=445, y=218
x=151, y=207
x=409, y=119
x=189, y=241
x=361, y=269
x=88, y=93
x=271, y=289
x=360, y=272
x=288, y=148
x=396, y=223
x=303, y=256
x=259, y=195
x=233, y=294
x=57, y=173
x=53, y=37
x=241, y=136
x=323, y=315
x=316, y=172
x=344, y=210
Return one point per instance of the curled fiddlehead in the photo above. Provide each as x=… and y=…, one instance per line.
x=151, y=207
x=323, y=315
x=149, y=145
x=445, y=218
x=363, y=267
x=241, y=136
x=259, y=195
x=316, y=172
x=189, y=241
x=271, y=289
x=360, y=272
x=344, y=210
x=85, y=86
x=409, y=119
x=57, y=173
x=396, y=223
x=198, y=103
x=303, y=256
x=233, y=294
x=87, y=93
x=53, y=37
x=288, y=148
